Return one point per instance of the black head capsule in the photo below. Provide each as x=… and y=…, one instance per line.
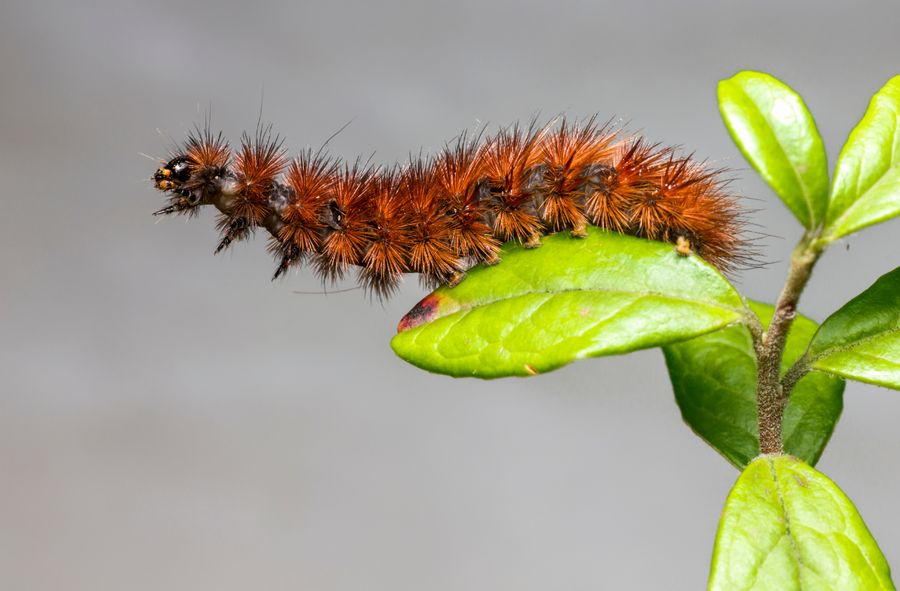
x=172, y=178
x=173, y=174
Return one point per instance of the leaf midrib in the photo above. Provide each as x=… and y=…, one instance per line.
x=488, y=302
x=836, y=224
x=463, y=312
x=857, y=343
x=795, y=548
x=787, y=521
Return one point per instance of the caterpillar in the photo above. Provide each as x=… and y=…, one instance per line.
x=439, y=215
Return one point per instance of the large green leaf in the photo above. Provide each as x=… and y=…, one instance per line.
x=787, y=527
x=867, y=176
x=776, y=133
x=861, y=341
x=714, y=378
x=572, y=298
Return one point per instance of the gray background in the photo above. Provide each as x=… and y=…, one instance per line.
x=173, y=420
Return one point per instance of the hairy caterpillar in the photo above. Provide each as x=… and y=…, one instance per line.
x=439, y=215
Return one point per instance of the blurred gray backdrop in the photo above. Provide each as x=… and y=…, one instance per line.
x=173, y=420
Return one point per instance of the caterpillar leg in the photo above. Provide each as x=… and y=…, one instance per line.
x=234, y=231
x=534, y=241
x=282, y=267
x=456, y=278
x=579, y=231
x=683, y=246
x=185, y=199
x=181, y=205
x=287, y=259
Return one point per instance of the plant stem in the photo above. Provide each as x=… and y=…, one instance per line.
x=757, y=331
x=794, y=374
x=771, y=396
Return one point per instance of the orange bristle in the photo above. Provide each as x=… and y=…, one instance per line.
x=431, y=252
x=257, y=164
x=568, y=154
x=385, y=260
x=206, y=150
x=459, y=172
x=510, y=159
x=309, y=179
x=346, y=219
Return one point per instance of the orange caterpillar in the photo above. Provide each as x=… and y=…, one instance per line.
x=438, y=216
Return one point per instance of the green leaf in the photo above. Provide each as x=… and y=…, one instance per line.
x=861, y=341
x=572, y=298
x=787, y=527
x=714, y=378
x=867, y=176
x=771, y=125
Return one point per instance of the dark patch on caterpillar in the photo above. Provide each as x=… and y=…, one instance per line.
x=439, y=215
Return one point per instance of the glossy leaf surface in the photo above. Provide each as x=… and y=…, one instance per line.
x=861, y=341
x=867, y=176
x=787, y=527
x=776, y=133
x=714, y=379
x=540, y=309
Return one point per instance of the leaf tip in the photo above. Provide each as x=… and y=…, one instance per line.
x=425, y=311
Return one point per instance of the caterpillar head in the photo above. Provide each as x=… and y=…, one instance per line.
x=173, y=174
x=177, y=179
x=195, y=174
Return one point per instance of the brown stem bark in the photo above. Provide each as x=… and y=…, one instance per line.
x=771, y=396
